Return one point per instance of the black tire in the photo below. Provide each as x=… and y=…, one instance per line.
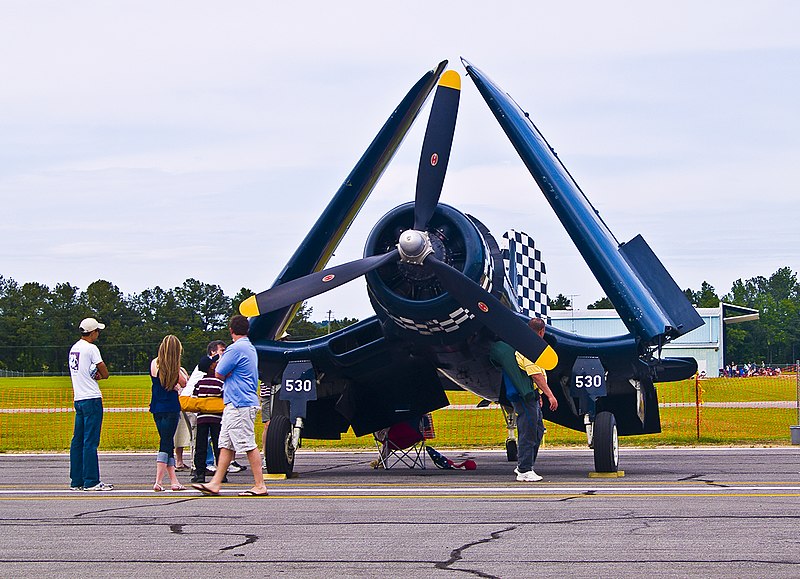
x=606, y=443
x=511, y=450
x=280, y=452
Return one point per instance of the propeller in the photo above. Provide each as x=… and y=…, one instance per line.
x=414, y=246
x=436, y=148
x=311, y=285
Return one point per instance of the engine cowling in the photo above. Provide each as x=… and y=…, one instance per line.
x=410, y=295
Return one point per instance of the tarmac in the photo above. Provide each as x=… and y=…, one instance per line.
x=677, y=512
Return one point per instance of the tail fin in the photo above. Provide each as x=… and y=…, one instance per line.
x=527, y=273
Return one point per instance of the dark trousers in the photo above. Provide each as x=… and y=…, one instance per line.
x=530, y=429
x=84, y=469
x=201, y=445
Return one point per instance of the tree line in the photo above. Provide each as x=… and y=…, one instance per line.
x=774, y=338
x=39, y=324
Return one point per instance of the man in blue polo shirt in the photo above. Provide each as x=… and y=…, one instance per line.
x=238, y=368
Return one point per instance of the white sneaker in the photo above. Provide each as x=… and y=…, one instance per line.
x=236, y=467
x=529, y=476
x=516, y=470
x=211, y=468
x=76, y=488
x=101, y=486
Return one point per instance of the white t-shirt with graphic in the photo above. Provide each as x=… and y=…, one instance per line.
x=83, y=360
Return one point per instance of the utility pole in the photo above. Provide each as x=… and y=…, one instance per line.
x=329, y=320
x=572, y=309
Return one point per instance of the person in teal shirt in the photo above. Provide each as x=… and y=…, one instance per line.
x=524, y=383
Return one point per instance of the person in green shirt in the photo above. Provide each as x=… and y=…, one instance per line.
x=524, y=383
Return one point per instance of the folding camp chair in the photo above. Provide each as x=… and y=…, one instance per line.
x=401, y=443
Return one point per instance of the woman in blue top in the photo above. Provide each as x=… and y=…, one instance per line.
x=168, y=378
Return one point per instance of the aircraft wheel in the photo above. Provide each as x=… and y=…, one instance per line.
x=280, y=452
x=606, y=443
x=511, y=450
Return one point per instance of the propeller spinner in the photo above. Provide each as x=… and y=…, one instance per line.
x=414, y=246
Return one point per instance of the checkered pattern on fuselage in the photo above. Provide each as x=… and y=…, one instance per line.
x=529, y=275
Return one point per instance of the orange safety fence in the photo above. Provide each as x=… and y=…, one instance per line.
x=37, y=414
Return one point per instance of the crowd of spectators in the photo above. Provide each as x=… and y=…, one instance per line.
x=733, y=370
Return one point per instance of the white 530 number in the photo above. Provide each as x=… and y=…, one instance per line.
x=298, y=385
x=595, y=381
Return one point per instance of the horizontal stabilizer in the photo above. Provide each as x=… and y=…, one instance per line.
x=682, y=316
x=674, y=369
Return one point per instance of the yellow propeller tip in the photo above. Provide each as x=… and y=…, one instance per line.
x=450, y=79
x=547, y=359
x=249, y=307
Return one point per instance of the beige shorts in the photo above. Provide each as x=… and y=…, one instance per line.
x=237, y=432
x=183, y=436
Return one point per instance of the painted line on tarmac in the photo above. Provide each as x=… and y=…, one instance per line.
x=307, y=486
x=793, y=490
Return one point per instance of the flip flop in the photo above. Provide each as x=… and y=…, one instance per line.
x=205, y=490
x=249, y=493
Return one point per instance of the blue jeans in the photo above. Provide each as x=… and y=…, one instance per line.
x=530, y=428
x=210, y=458
x=167, y=424
x=84, y=469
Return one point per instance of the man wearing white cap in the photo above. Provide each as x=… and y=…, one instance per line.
x=86, y=367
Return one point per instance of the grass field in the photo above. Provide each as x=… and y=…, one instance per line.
x=37, y=417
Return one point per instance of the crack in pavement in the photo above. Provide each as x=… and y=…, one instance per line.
x=130, y=507
x=143, y=519
x=714, y=484
x=700, y=478
x=456, y=554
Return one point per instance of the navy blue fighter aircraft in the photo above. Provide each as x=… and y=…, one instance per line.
x=442, y=292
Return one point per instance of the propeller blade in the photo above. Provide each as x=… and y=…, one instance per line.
x=302, y=288
x=494, y=315
x=436, y=148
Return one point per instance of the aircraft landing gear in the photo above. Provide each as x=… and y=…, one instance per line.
x=511, y=426
x=605, y=443
x=298, y=387
x=511, y=450
x=588, y=386
x=280, y=446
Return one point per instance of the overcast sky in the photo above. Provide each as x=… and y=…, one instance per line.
x=148, y=142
